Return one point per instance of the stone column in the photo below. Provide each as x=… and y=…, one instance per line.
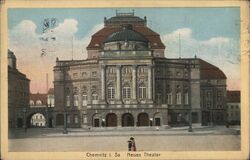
x=118, y=82
x=134, y=87
x=149, y=82
x=103, y=82
x=119, y=120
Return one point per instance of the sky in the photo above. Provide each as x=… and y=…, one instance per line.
x=212, y=34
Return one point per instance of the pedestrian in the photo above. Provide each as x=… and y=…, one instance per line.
x=133, y=146
x=25, y=129
x=129, y=145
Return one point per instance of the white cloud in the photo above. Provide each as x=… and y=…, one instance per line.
x=223, y=52
x=27, y=45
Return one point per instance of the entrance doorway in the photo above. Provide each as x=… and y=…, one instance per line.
x=96, y=122
x=143, y=119
x=111, y=120
x=127, y=120
x=157, y=121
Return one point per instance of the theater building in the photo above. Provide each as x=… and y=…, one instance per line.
x=126, y=81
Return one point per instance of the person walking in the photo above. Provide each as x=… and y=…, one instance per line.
x=133, y=146
x=129, y=145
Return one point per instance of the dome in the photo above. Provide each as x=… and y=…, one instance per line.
x=126, y=34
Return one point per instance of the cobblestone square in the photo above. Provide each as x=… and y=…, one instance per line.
x=204, y=139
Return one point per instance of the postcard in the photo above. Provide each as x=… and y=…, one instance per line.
x=124, y=80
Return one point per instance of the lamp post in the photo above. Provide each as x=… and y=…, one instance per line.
x=103, y=122
x=65, y=131
x=190, y=129
x=151, y=122
x=211, y=115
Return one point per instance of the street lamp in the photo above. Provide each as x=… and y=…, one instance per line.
x=65, y=131
x=211, y=115
x=151, y=122
x=103, y=122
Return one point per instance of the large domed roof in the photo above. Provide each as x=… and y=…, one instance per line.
x=126, y=34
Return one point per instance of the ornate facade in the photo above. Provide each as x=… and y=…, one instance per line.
x=126, y=81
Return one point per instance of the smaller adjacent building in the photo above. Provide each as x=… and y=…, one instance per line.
x=233, y=107
x=39, y=101
x=18, y=93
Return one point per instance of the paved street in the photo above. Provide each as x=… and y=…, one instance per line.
x=147, y=139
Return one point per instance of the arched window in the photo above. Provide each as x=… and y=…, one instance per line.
x=84, y=98
x=111, y=92
x=75, y=100
x=38, y=102
x=186, y=97
x=178, y=98
x=94, y=96
x=142, y=91
x=126, y=92
x=31, y=102
x=169, y=98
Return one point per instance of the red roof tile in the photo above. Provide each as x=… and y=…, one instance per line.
x=233, y=96
x=39, y=96
x=209, y=71
x=101, y=35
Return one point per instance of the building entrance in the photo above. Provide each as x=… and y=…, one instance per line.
x=127, y=120
x=111, y=120
x=157, y=121
x=96, y=122
x=143, y=119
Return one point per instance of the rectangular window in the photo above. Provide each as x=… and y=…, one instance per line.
x=76, y=119
x=75, y=100
x=208, y=104
x=94, y=96
x=126, y=92
x=142, y=92
x=209, y=95
x=68, y=101
x=84, y=97
x=111, y=92
x=178, y=98
x=186, y=98
x=219, y=96
x=68, y=118
x=94, y=74
x=169, y=98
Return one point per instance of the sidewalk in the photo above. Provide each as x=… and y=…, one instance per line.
x=130, y=131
